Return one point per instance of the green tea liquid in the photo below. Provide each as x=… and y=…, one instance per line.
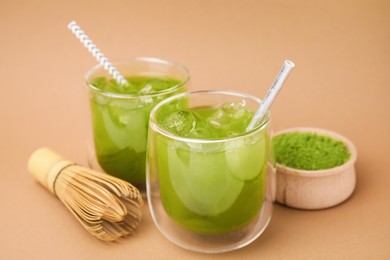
x=120, y=116
x=211, y=188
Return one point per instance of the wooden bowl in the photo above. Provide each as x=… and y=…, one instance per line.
x=316, y=189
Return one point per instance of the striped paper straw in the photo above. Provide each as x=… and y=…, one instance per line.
x=87, y=42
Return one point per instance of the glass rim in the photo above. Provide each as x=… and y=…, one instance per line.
x=88, y=74
x=154, y=125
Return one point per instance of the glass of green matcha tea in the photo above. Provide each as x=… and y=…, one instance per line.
x=120, y=113
x=209, y=181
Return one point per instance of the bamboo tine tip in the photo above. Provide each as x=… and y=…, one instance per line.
x=108, y=212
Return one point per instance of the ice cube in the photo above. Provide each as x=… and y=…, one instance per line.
x=159, y=84
x=218, y=119
x=145, y=101
x=228, y=111
x=181, y=123
x=202, y=181
x=230, y=119
x=235, y=110
x=147, y=89
x=201, y=132
x=246, y=161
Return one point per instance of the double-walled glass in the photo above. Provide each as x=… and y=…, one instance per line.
x=120, y=119
x=209, y=195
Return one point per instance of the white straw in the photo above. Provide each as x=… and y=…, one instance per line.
x=87, y=42
x=272, y=92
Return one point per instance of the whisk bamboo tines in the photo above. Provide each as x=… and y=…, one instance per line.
x=109, y=208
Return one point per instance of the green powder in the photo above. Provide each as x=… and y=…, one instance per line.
x=309, y=151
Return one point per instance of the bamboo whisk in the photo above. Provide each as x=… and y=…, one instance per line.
x=107, y=207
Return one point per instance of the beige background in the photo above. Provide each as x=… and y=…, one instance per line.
x=341, y=83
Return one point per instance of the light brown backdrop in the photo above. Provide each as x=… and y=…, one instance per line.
x=341, y=83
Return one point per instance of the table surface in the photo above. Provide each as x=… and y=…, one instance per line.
x=340, y=83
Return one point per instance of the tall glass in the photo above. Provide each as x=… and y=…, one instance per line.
x=120, y=114
x=209, y=195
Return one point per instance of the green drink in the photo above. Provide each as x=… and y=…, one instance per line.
x=206, y=175
x=120, y=113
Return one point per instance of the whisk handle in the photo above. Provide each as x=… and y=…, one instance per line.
x=45, y=165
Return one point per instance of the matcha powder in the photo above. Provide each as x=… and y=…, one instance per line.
x=309, y=151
